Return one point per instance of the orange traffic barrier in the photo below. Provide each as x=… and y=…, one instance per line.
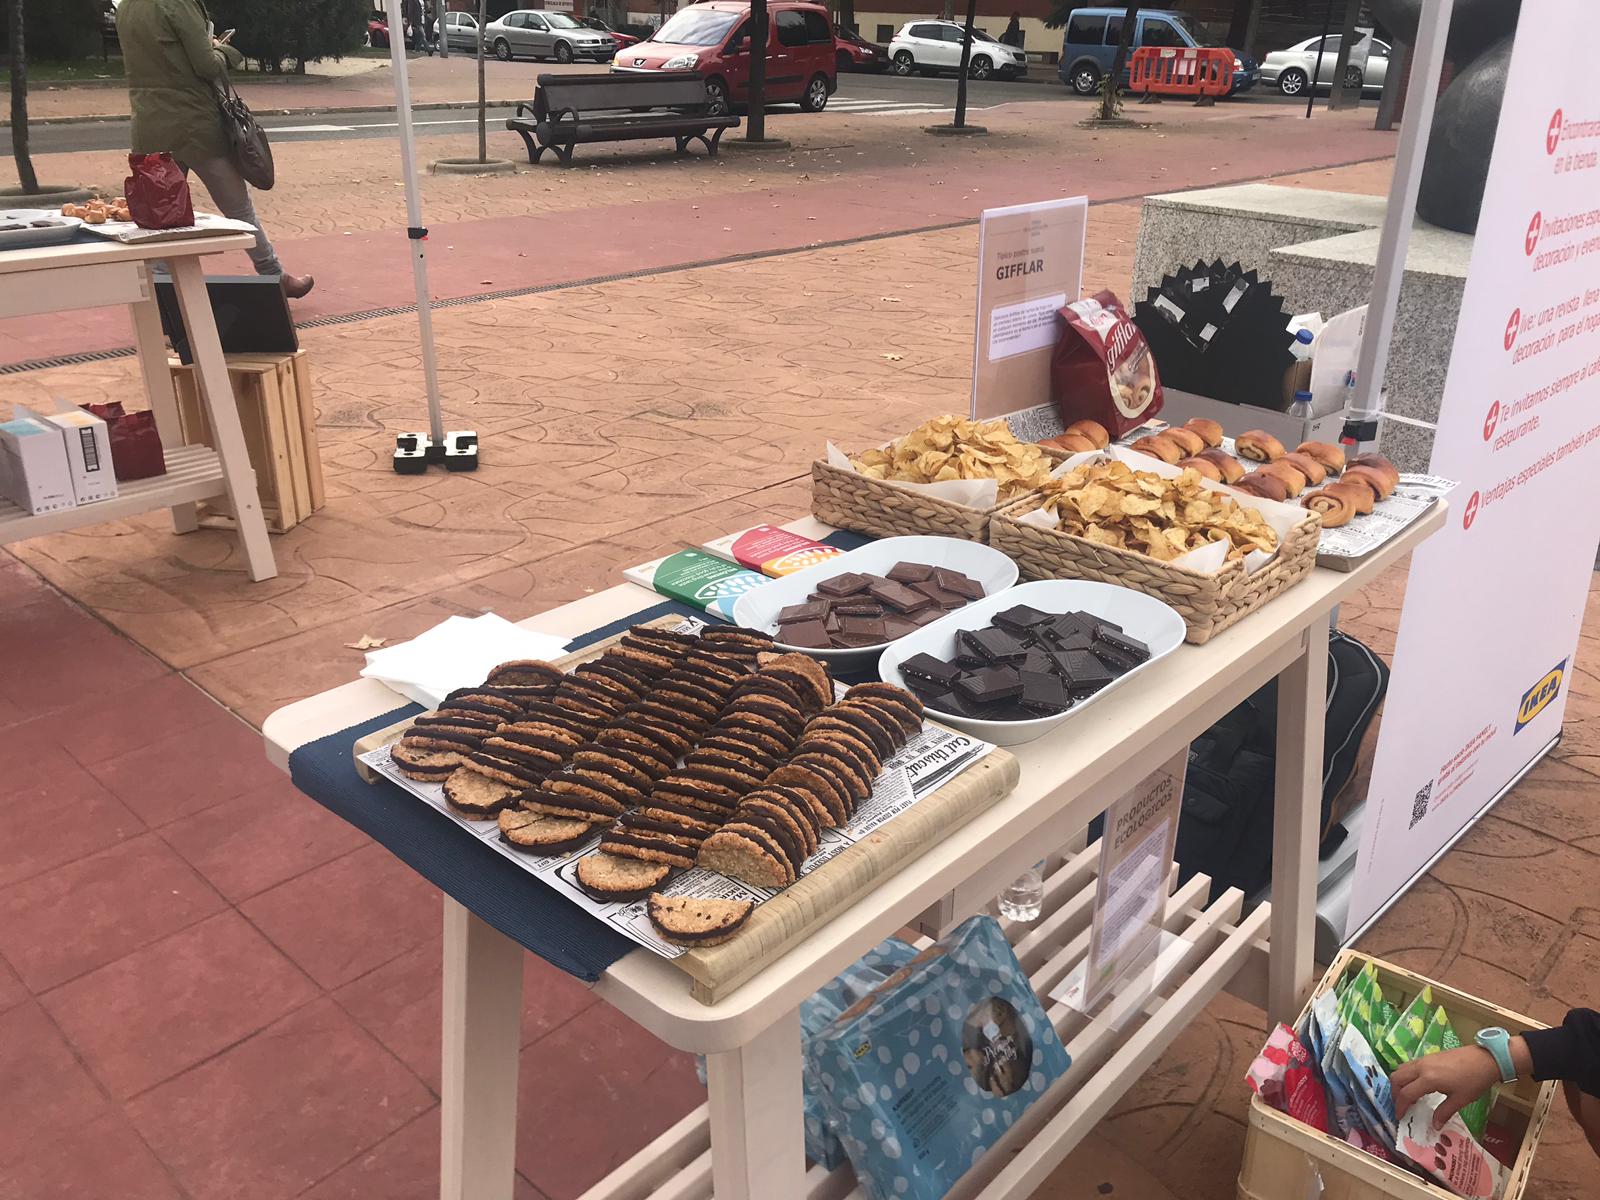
x=1181, y=71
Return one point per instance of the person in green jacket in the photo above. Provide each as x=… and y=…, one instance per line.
x=172, y=63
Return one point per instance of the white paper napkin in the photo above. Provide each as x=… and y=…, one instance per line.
x=458, y=652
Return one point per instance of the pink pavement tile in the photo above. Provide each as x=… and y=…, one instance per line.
x=102, y=1157
x=157, y=1011
x=189, y=771
x=404, y=1166
x=12, y=993
x=45, y=790
x=281, y=1110
x=399, y=1004
x=346, y=917
x=45, y=1089
x=55, y=654
x=592, y=1094
x=92, y=911
x=106, y=725
x=256, y=841
x=18, y=585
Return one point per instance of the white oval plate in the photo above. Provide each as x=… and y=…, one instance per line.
x=759, y=607
x=62, y=229
x=1144, y=617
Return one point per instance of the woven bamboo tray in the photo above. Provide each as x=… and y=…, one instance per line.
x=1208, y=604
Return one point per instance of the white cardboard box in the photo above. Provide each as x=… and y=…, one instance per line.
x=33, y=466
x=88, y=445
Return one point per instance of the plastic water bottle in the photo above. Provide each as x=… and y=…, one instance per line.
x=1301, y=346
x=1023, y=900
x=1300, y=410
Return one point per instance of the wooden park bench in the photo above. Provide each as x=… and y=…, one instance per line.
x=568, y=109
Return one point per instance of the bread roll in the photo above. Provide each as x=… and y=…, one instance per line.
x=1258, y=445
x=1336, y=507
x=1314, y=471
x=1382, y=484
x=1358, y=491
x=1191, y=441
x=1210, y=432
x=1326, y=453
x=1167, y=450
x=1232, y=469
x=1092, y=430
x=1293, y=480
x=1268, y=487
x=1203, y=465
x=1380, y=464
x=1070, y=443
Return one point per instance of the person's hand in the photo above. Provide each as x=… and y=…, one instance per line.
x=1462, y=1075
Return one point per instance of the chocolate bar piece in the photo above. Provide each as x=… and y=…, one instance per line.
x=926, y=616
x=896, y=626
x=807, y=635
x=858, y=608
x=898, y=595
x=1021, y=620
x=1043, y=693
x=812, y=610
x=1086, y=674
x=998, y=646
x=955, y=581
x=861, y=627
x=847, y=584
x=1112, y=635
x=926, y=666
x=990, y=685
x=968, y=645
x=910, y=572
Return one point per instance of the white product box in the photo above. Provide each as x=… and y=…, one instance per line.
x=33, y=466
x=88, y=442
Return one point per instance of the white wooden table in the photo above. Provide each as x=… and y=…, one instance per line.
x=752, y=1037
x=95, y=274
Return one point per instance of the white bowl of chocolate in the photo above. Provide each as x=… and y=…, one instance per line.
x=852, y=606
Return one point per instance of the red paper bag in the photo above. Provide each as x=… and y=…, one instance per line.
x=135, y=442
x=1102, y=369
x=158, y=192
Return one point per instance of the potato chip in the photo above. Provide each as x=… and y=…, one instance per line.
x=951, y=447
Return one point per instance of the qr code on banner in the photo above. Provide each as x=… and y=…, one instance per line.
x=1419, y=803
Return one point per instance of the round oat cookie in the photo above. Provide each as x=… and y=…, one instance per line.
x=632, y=762
x=538, y=833
x=744, y=743
x=578, y=792
x=693, y=921
x=814, y=783
x=428, y=766
x=606, y=877
x=525, y=672
x=853, y=744
x=429, y=739
x=907, y=709
x=745, y=760
x=747, y=857
x=861, y=720
x=766, y=683
x=670, y=737
x=764, y=803
x=679, y=831
x=755, y=723
x=786, y=716
x=857, y=784
x=651, y=847
x=696, y=820
x=788, y=842
x=802, y=804
x=475, y=795
x=739, y=778
x=806, y=675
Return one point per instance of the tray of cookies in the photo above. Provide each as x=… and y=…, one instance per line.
x=945, y=477
x=705, y=794
x=1126, y=518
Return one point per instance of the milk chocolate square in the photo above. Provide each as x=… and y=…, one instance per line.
x=910, y=572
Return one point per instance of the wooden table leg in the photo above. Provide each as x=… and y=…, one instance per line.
x=152, y=347
x=211, y=374
x=757, y=1138
x=1297, y=821
x=482, y=1035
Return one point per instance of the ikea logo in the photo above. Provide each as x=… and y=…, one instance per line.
x=1537, y=698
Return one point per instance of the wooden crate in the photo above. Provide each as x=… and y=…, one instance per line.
x=273, y=393
x=1284, y=1159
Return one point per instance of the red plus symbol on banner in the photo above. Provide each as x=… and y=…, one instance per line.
x=1491, y=421
x=1471, y=515
x=1552, y=136
x=1514, y=324
x=1532, y=240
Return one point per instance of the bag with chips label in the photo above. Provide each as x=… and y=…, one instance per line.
x=1102, y=369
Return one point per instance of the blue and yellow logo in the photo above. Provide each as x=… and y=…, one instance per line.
x=1539, y=697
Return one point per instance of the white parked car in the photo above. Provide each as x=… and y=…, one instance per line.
x=536, y=33
x=932, y=46
x=1292, y=69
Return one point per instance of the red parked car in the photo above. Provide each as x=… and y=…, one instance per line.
x=713, y=37
x=855, y=53
x=621, y=39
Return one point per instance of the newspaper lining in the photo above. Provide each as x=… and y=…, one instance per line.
x=923, y=765
x=1361, y=535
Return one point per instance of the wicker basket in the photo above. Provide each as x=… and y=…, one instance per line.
x=1283, y=1158
x=850, y=501
x=1208, y=604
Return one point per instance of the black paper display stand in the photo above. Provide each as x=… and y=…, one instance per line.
x=457, y=450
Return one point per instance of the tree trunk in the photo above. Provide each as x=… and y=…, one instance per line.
x=755, y=129
x=966, y=60
x=483, y=90
x=847, y=14
x=19, y=102
x=1338, y=97
x=1108, y=97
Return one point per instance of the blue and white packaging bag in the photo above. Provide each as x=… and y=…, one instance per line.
x=925, y=1073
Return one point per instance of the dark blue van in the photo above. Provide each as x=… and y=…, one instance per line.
x=1090, y=43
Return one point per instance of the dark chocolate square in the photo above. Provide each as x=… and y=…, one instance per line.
x=897, y=626
x=859, y=627
x=1086, y=674
x=998, y=646
x=910, y=572
x=1130, y=646
x=811, y=610
x=847, y=584
x=1020, y=619
x=926, y=666
x=990, y=685
x=961, y=585
x=899, y=596
x=808, y=635
x=926, y=616
x=1043, y=693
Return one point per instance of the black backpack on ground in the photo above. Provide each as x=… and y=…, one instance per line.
x=1226, y=827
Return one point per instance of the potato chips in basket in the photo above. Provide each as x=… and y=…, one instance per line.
x=1113, y=504
x=951, y=447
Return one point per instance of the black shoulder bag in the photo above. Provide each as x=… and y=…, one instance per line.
x=247, y=141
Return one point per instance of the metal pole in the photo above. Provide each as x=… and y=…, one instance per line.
x=755, y=129
x=415, y=231
x=483, y=92
x=1427, y=63
x=1337, y=94
x=1316, y=67
x=1389, y=99
x=966, y=58
x=442, y=15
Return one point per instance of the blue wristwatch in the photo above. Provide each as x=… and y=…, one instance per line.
x=1498, y=1043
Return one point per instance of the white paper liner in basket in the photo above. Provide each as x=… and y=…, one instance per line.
x=1204, y=560
x=974, y=493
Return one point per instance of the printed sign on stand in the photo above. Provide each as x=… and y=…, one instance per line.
x=1495, y=600
x=1030, y=263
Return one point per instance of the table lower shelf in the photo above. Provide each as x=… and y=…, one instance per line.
x=1109, y=1052
x=193, y=473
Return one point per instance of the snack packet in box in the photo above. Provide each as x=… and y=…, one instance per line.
x=1283, y=1076
x=1102, y=369
x=1441, y=1035
x=1450, y=1155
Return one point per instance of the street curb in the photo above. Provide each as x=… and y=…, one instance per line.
x=436, y=106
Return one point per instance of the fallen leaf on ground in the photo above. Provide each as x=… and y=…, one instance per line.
x=893, y=357
x=367, y=642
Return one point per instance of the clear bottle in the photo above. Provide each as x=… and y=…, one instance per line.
x=1301, y=346
x=1023, y=899
x=1300, y=410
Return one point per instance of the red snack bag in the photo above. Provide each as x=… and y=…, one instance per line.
x=135, y=442
x=1282, y=1076
x=1102, y=369
x=158, y=192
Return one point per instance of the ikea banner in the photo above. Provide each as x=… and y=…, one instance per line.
x=1495, y=600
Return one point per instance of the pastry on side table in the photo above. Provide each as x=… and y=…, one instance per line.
x=1258, y=445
